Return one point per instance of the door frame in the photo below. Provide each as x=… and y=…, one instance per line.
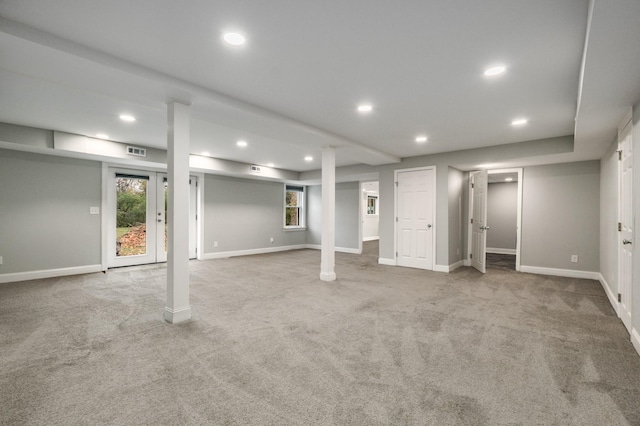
x=519, y=170
x=627, y=121
x=395, y=211
x=104, y=206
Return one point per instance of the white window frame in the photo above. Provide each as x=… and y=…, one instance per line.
x=375, y=204
x=301, y=206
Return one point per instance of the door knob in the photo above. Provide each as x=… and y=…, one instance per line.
x=625, y=242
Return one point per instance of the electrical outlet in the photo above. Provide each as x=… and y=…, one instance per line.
x=94, y=210
x=271, y=240
x=215, y=244
x=574, y=258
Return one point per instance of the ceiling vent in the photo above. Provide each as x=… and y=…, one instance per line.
x=138, y=152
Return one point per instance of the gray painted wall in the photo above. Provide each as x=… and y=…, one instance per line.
x=609, y=217
x=347, y=214
x=561, y=216
x=456, y=179
x=45, y=212
x=502, y=215
x=242, y=214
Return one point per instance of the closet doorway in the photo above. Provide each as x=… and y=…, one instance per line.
x=503, y=220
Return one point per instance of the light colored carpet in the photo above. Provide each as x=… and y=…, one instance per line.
x=270, y=343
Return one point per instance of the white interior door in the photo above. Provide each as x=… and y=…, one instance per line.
x=415, y=198
x=479, y=189
x=193, y=217
x=626, y=224
x=161, y=217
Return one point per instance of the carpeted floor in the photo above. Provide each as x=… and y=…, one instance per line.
x=270, y=344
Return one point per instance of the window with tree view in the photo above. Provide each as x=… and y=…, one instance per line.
x=294, y=206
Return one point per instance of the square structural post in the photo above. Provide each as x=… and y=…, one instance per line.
x=328, y=242
x=178, y=309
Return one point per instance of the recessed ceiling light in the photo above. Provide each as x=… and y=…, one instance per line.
x=270, y=165
x=519, y=122
x=102, y=136
x=493, y=71
x=127, y=117
x=365, y=108
x=308, y=158
x=241, y=144
x=508, y=179
x=205, y=153
x=421, y=139
x=234, y=39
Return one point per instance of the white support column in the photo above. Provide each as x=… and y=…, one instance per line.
x=178, y=309
x=328, y=243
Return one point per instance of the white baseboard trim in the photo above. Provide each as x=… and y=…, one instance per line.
x=49, y=273
x=338, y=249
x=178, y=315
x=370, y=238
x=263, y=250
x=635, y=339
x=441, y=268
x=456, y=265
x=466, y=262
x=500, y=250
x=613, y=299
x=388, y=262
x=560, y=272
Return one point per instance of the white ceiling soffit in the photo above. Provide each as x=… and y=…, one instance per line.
x=610, y=82
x=81, y=90
x=293, y=88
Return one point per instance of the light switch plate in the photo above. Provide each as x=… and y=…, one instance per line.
x=94, y=210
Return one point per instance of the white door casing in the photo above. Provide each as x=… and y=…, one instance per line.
x=415, y=213
x=625, y=237
x=479, y=189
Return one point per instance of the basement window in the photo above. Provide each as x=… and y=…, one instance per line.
x=294, y=207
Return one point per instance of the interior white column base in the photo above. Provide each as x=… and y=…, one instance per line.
x=328, y=276
x=177, y=316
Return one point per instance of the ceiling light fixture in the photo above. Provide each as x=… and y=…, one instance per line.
x=421, y=139
x=241, y=144
x=102, y=136
x=365, y=108
x=519, y=122
x=234, y=39
x=494, y=71
x=127, y=117
x=308, y=158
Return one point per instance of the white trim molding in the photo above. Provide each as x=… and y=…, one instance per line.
x=466, y=262
x=388, y=262
x=49, y=273
x=370, y=238
x=441, y=268
x=456, y=265
x=612, y=297
x=264, y=250
x=178, y=315
x=571, y=273
x=635, y=339
x=337, y=249
x=495, y=250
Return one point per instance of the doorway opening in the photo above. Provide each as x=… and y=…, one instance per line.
x=495, y=203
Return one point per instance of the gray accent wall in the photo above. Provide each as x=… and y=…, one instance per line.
x=456, y=179
x=347, y=215
x=243, y=214
x=502, y=215
x=561, y=216
x=45, y=212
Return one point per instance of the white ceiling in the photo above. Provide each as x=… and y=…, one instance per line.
x=293, y=88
